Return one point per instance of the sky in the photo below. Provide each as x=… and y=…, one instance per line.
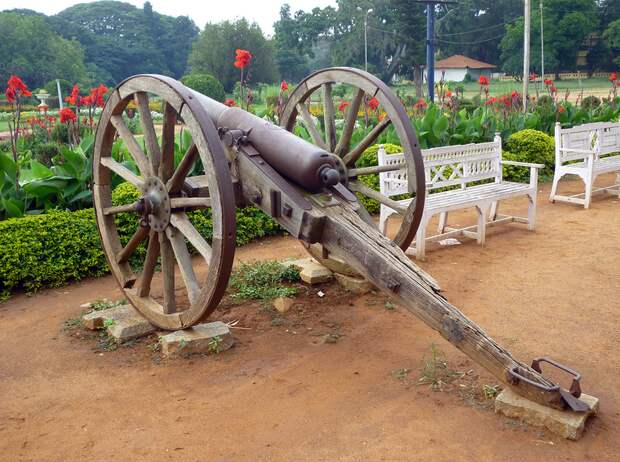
x=263, y=12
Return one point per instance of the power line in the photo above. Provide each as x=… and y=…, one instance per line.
x=471, y=43
x=481, y=29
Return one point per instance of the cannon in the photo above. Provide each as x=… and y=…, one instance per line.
x=311, y=189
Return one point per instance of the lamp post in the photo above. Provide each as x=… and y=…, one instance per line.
x=370, y=10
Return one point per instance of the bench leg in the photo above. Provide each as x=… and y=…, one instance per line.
x=531, y=211
x=588, y=193
x=554, y=188
x=443, y=218
x=420, y=240
x=493, y=213
x=483, y=211
x=384, y=216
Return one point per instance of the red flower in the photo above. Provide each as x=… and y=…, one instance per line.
x=420, y=104
x=491, y=101
x=483, y=80
x=284, y=85
x=373, y=104
x=74, y=99
x=242, y=58
x=67, y=115
x=343, y=105
x=613, y=76
x=554, y=90
x=515, y=94
x=230, y=102
x=548, y=82
x=533, y=76
x=86, y=101
x=561, y=109
x=15, y=89
x=448, y=94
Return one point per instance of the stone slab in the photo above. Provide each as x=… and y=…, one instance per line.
x=122, y=322
x=283, y=304
x=567, y=424
x=210, y=338
x=333, y=263
x=355, y=285
x=312, y=272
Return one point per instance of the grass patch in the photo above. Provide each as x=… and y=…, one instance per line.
x=264, y=280
x=436, y=373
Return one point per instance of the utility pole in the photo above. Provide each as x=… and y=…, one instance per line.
x=526, y=53
x=370, y=10
x=59, y=93
x=430, y=42
x=542, y=44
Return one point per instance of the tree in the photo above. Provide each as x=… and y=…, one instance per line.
x=214, y=52
x=611, y=36
x=567, y=24
x=121, y=40
x=30, y=49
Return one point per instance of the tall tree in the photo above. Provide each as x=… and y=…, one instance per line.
x=214, y=52
x=30, y=49
x=567, y=24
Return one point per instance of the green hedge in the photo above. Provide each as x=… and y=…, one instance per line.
x=51, y=249
x=529, y=146
x=368, y=159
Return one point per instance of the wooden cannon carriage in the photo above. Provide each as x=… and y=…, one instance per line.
x=236, y=159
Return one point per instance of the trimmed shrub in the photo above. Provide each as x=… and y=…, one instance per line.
x=368, y=159
x=590, y=102
x=205, y=84
x=529, y=146
x=51, y=249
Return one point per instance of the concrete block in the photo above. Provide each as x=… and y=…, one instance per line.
x=122, y=322
x=355, y=285
x=210, y=338
x=283, y=304
x=567, y=424
x=312, y=272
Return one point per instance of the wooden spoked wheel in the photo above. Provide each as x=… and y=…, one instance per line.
x=363, y=87
x=167, y=192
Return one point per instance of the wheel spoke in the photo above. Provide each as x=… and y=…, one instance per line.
x=353, y=172
x=176, y=182
x=306, y=118
x=166, y=167
x=150, y=262
x=351, y=157
x=376, y=195
x=349, y=124
x=122, y=171
x=150, y=137
x=190, y=202
x=328, y=116
x=181, y=222
x=120, y=209
x=132, y=145
x=184, y=260
x=132, y=245
x=167, y=273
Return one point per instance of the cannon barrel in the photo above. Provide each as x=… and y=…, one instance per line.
x=298, y=160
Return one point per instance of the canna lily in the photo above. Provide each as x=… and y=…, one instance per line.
x=343, y=106
x=15, y=89
x=284, y=85
x=67, y=115
x=242, y=58
x=373, y=104
x=483, y=80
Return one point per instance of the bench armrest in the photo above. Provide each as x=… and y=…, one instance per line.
x=579, y=151
x=522, y=164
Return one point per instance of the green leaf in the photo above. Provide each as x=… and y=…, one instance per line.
x=13, y=208
x=7, y=165
x=440, y=126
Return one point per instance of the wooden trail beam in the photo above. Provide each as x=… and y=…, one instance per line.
x=348, y=237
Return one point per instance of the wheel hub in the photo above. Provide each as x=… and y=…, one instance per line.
x=154, y=205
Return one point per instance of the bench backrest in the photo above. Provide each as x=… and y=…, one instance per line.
x=600, y=137
x=457, y=165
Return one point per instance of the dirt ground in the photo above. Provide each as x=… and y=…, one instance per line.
x=283, y=393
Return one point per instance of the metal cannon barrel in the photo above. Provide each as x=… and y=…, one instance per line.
x=298, y=160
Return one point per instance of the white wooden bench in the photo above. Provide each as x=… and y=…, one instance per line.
x=586, y=151
x=476, y=171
